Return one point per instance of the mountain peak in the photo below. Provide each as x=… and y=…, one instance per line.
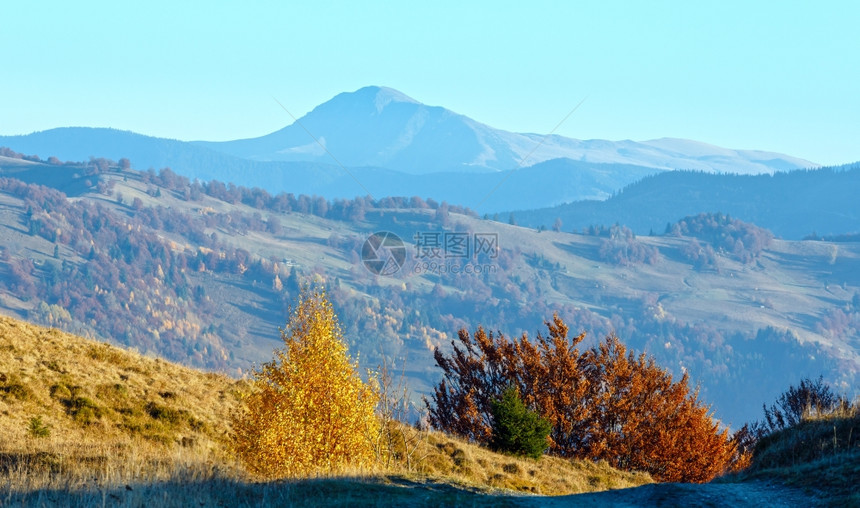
x=377, y=126
x=386, y=92
x=382, y=96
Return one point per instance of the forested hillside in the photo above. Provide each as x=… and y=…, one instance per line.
x=791, y=204
x=202, y=273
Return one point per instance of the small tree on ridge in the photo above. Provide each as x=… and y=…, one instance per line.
x=517, y=429
x=308, y=411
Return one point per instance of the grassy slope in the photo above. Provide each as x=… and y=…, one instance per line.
x=821, y=455
x=133, y=455
x=159, y=431
x=83, y=389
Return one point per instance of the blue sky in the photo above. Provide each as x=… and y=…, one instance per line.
x=780, y=76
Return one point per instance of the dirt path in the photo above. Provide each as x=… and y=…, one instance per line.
x=751, y=494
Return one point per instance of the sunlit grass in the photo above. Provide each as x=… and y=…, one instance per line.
x=86, y=424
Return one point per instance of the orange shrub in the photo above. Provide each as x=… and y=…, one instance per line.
x=605, y=403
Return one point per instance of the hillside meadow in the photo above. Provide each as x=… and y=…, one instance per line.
x=83, y=422
x=133, y=430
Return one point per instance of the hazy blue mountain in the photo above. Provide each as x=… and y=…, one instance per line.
x=792, y=204
x=381, y=127
x=391, y=144
x=377, y=126
x=547, y=183
x=81, y=143
x=556, y=181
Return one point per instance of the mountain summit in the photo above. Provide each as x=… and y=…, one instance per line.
x=382, y=127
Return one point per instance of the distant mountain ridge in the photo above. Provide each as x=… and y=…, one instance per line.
x=792, y=204
x=391, y=144
x=378, y=126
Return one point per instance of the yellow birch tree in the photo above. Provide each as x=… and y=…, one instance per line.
x=308, y=411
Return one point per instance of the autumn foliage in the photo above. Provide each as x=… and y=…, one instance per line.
x=603, y=403
x=309, y=411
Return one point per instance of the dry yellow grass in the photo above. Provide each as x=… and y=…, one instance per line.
x=82, y=388
x=124, y=427
x=456, y=461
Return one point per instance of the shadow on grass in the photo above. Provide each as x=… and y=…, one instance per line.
x=336, y=492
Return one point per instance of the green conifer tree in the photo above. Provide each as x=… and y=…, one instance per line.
x=517, y=429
